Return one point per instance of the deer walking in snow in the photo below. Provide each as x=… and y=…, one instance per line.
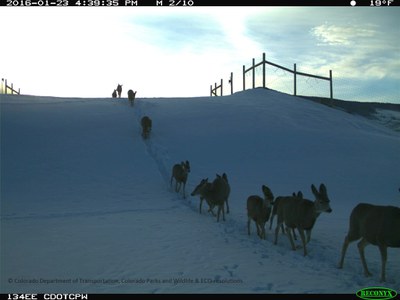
x=131, y=96
x=373, y=224
x=215, y=194
x=299, y=195
x=180, y=174
x=259, y=210
x=119, y=90
x=146, y=123
x=302, y=214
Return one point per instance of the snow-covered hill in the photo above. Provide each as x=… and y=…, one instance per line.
x=86, y=203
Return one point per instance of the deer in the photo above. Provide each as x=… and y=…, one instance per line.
x=259, y=210
x=201, y=189
x=131, y=96
x=114, y=94
x=119, y=90
x=180, y=173
x=374, y=224
x=302, y=214
x=146, y=123
x=299, y=195
x=214, y=193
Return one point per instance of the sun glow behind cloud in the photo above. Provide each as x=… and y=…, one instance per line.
x=78, y=52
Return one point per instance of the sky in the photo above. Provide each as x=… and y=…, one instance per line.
x=86, y=205
x=180, y=52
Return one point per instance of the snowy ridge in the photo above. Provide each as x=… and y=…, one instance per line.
x=85, y=198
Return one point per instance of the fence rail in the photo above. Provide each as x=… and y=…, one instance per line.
x=263, y=63
x=6, y=89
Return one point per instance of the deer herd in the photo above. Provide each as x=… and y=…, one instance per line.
x=371, y=224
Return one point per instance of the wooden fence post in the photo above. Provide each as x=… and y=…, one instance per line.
x=254, y=73
x=231, y=82
x=264, y=70
x=294, y=72
x=221, y=87
x=244, y=78
x=331, y=86
x=330, y=81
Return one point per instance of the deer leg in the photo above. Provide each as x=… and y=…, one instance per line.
x=221, y=208
x=211, y=207
x=223, y=211
x=344, y=249
x=262, y=227
x=294, y=234
x=258, y=230
x=350, y=237
x=201, y=203
x=270, y=222
x=303, y=240
x=227, y=206
x=361, y=245
x=278, y=226
x=383, y=250
x=308, y=233
x=289, y=233
x=248, y=225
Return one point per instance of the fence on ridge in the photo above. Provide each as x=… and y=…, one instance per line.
x=275, y=80
x=6, y=89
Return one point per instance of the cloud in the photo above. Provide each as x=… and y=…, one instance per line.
x=359, y=51
x=342, y=35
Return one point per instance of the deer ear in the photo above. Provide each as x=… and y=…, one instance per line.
x=322, y=188
x=314, y=190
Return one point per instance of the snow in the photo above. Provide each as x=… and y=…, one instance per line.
x=87, y=207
